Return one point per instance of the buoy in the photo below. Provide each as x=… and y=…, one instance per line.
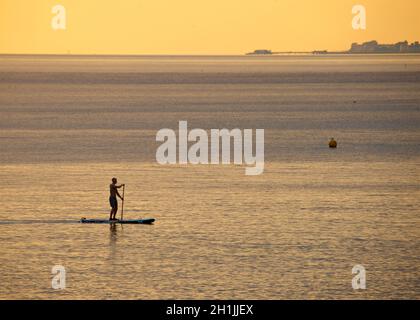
x=333, y=143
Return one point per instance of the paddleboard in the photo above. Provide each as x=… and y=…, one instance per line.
x=134, y=221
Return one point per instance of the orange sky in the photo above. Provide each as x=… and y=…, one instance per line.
x=200, y=26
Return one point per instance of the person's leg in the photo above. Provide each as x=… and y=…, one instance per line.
x=114, y=205
x=111, y=203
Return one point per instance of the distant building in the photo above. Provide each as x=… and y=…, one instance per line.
x=320, y=52
x=262, y=51
x=375, y=47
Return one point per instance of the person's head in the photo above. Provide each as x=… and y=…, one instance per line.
x=114, y=180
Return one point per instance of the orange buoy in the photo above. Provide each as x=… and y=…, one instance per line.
x=333, y=143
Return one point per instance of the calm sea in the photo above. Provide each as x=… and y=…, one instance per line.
x=68, y=124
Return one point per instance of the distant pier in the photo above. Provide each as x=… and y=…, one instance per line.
x=371, y=47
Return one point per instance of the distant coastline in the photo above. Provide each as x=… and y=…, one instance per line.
x=370, y=47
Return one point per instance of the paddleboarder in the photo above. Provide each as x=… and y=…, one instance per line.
x=113, y=190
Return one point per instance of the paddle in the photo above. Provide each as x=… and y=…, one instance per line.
x=122, y=205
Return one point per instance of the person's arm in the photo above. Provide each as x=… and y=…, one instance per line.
x=118, y=194
x=121, y=185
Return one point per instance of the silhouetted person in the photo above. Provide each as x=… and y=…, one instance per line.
x=113, y=190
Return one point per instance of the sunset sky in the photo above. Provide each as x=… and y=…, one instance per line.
x=200, y=26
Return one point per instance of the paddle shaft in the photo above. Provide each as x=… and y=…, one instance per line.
x=122, y=205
